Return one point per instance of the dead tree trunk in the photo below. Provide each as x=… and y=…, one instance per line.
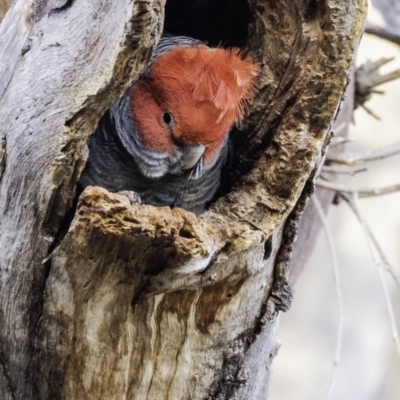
x=138, y=302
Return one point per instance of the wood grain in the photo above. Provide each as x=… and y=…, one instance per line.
x=64, y=67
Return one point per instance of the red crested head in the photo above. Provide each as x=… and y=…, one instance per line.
x=193, y=95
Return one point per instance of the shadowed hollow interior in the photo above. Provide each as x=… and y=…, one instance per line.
x=217, y=22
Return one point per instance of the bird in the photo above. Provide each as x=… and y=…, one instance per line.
x=166, y=139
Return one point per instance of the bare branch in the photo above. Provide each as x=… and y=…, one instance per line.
x=376, y=253
x=368, y=73
x=384, y=152
x=370, y=112
x=334, y=169
x=382, y=33
x=335, y=268
x=364, y=192
x=388, y=266
x=337, y=141
x=367, y=78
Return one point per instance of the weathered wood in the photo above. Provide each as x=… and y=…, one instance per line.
x=163, y=335
x=62, y=63
x=311, y=224
x=137, y=302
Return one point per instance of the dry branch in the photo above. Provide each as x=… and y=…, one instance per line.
x=379, y=154
x=361, y=192
x=368, y=77
x=383, y=33
x=342, y=170
x=380, y=262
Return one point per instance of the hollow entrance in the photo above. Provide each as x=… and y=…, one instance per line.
x=217, y=22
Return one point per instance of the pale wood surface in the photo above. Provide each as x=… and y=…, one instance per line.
x=137, y=302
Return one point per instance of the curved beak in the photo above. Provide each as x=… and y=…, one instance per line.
x=191, y=155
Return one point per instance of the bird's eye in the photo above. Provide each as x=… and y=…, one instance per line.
x=168, y=120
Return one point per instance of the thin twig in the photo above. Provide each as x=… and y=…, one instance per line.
x=370, y=112
x=336, y=169
x=384, y=152
x=388, y=266
x=379, y=261
x=336, y=276
x=376, y=91
x=337, y=141
x=365, y=192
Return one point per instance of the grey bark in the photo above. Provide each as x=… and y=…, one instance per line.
x=139, y=302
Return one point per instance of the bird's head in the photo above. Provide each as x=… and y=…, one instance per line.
x=189, y=100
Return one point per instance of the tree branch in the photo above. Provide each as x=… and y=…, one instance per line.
x=368, y=77
x=383, y=33
x=382, y=153
x=340, y=170
x=379, y=258
x=361, y=192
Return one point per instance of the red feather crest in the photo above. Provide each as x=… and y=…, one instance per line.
x=220, y=76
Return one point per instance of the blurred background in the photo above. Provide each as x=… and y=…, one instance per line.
x=369, y=368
